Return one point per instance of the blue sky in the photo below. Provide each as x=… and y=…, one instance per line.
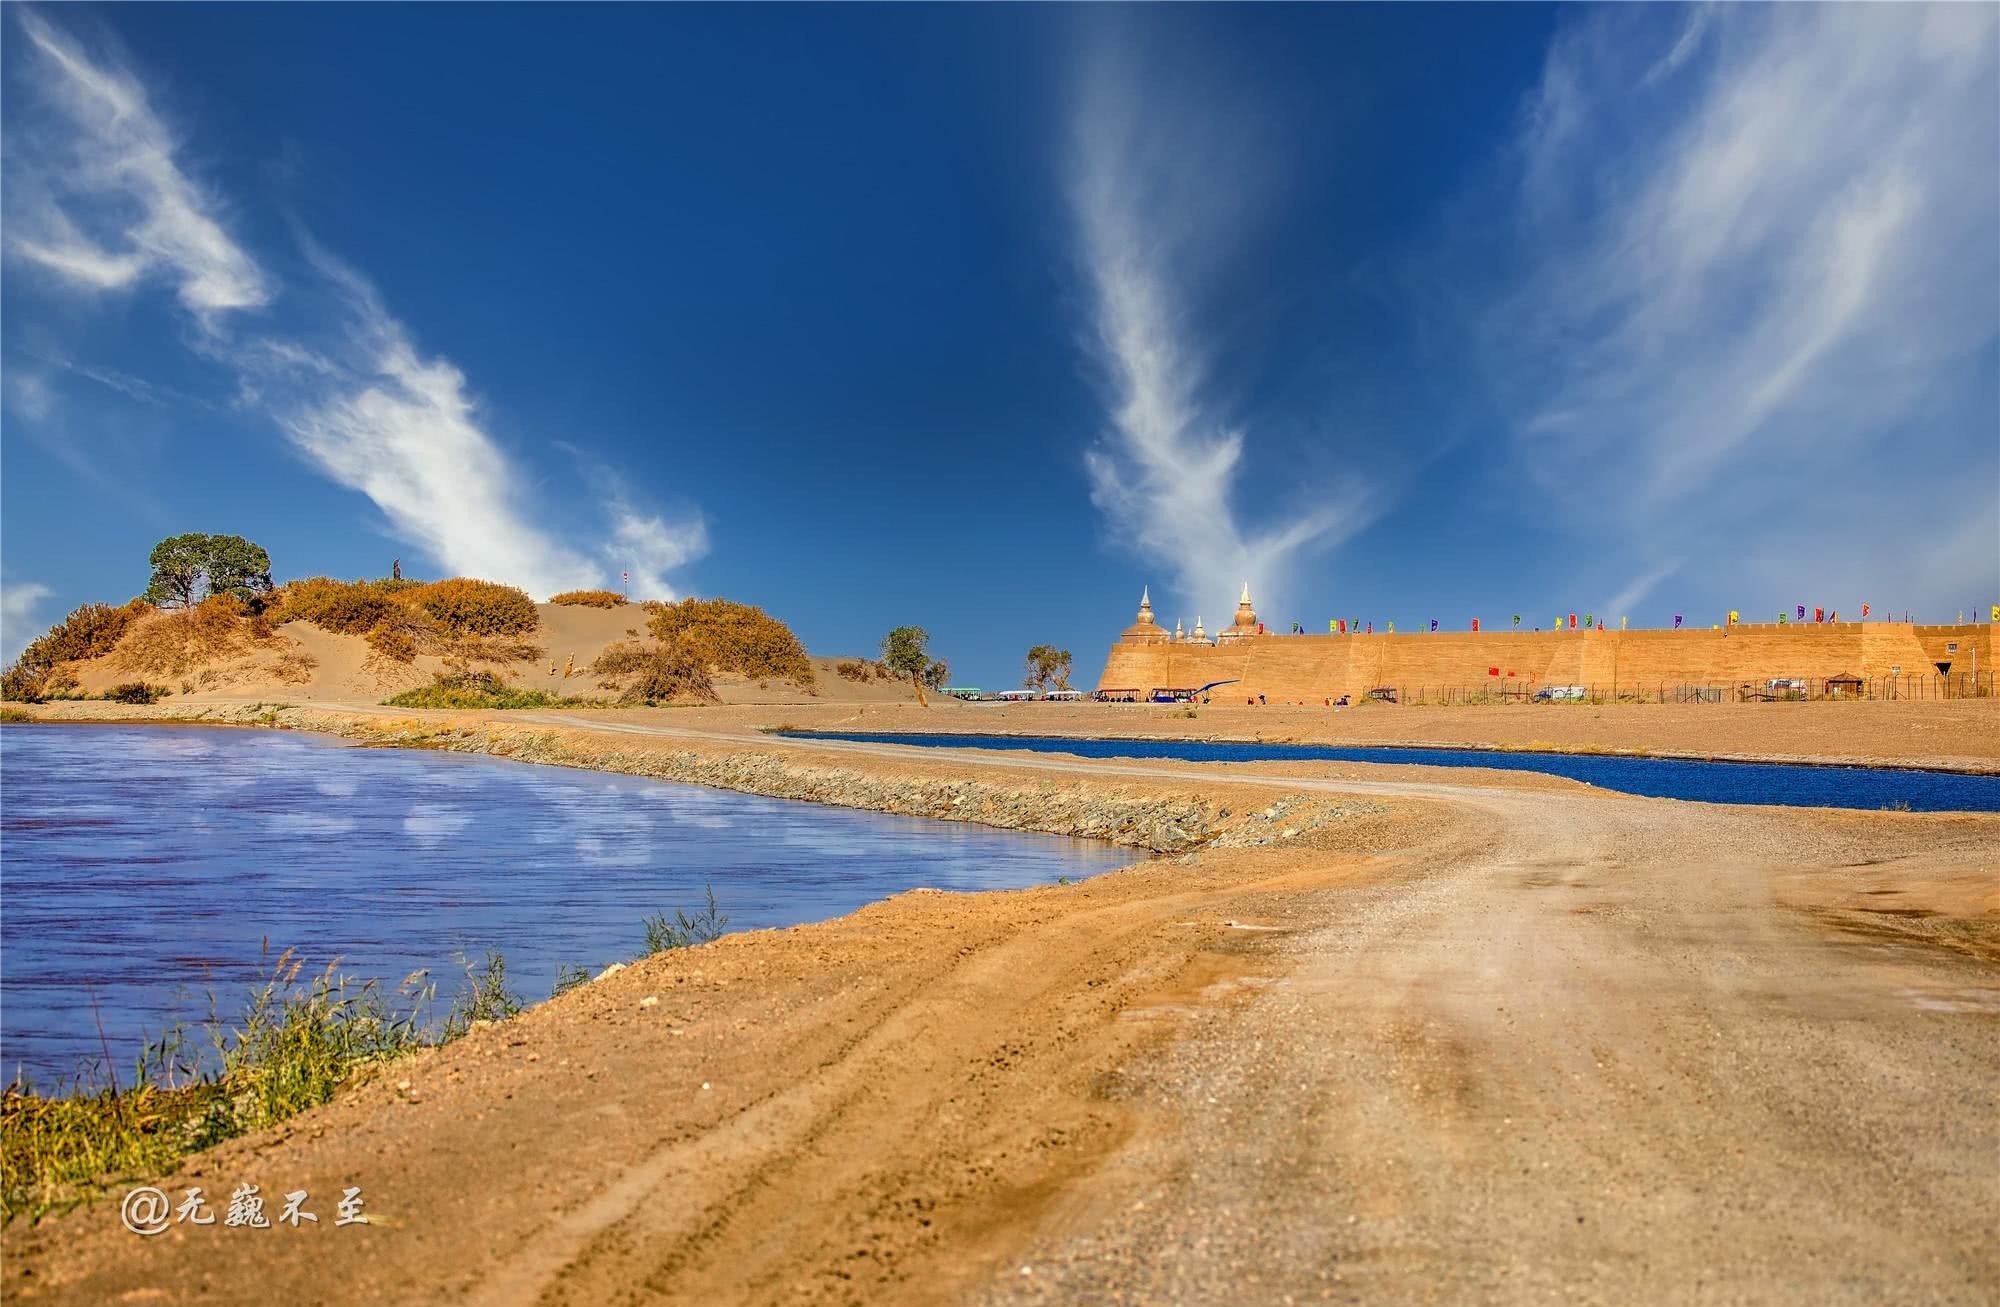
x=983, y=317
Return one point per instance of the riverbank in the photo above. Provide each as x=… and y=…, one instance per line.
x=1351, y=992
x=1952, y=735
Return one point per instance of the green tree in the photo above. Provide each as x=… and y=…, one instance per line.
x=194, y=565
x=906, y=652
x=937, y=675
x=1047, y=663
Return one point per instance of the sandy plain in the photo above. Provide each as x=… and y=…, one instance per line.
x=1374, y=1034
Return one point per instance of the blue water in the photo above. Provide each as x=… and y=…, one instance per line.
x=141, y=867
x=1665, y=778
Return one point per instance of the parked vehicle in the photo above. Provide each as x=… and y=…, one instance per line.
x=1779, y=689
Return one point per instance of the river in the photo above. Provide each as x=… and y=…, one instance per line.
x=143, y=867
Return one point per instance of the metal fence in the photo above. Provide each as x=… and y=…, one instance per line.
x=1799, y=689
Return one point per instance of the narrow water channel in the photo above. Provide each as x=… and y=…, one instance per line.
x=1800, y=785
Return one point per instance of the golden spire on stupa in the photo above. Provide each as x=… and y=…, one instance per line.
x=1145, y=630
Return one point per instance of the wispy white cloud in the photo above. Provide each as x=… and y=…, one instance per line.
x=21, y=619
x=402, y=428
x=1158, y=188
x=650, y=546
x=99, y=198
x=116, y=175
x=1757, y=258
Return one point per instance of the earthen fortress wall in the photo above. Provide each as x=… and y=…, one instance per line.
x=1308, y=668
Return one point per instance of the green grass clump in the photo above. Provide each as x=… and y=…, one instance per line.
x=294, y=1044
x=137, y=692
x=569, y=975
x=685, y=931
x=486, y=997
x=297, y=1041
x=469, y=689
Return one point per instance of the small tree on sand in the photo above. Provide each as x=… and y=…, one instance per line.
x=905, y=652
x=184, y=565
x=1047, y=663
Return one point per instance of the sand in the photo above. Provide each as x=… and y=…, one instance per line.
x=1382, y=1034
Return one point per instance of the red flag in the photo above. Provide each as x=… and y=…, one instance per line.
x=1493, y=671
x=1819, y=614
x=1864, y=610
x=1475, y=623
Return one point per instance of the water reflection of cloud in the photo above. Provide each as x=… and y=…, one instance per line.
x=429, y=823
x=337, y=789
x=309, y=823
x=596, y=851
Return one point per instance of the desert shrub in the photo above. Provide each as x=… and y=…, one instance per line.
x=295, y=667
x=393, y=642
x=589, y=599
x=660, y=673
x=463, y=606
x=733, y=637
x=91, y=631
x=137, y=692
x=854, y=669
x=24, y=685
x=344, y=607
x=496, y=649
x=622, y=658
x=172, y=644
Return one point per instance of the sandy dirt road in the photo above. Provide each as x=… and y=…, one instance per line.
x=1466, y=1042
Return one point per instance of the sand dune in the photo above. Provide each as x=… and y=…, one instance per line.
x=300, y=663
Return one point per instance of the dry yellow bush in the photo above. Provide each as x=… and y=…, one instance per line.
x=91, y=631
x=732, y=637
x=344, y=607
x=464, y=606
x=589, y=599
x=295, y=667
x=171, y=644
x=658, y=673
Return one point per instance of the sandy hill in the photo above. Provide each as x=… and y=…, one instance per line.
x=300, y=662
